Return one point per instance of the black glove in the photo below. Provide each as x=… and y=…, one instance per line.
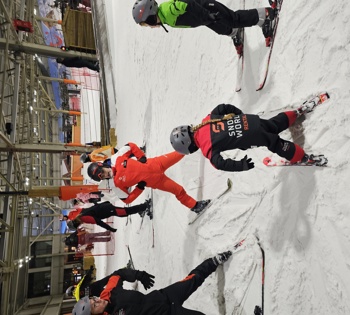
x=143, y=159
x=146, y=279
x=247, y=164
x=214, y=17
x=257, y=310
x=141, y=185
x=113, y=230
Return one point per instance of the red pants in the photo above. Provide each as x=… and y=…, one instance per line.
x=164, y=183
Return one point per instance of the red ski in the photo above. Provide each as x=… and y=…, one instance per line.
x=276, y=4
x=316, y=160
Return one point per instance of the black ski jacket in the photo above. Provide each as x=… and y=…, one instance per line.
x=131, y=302
x=235, y=133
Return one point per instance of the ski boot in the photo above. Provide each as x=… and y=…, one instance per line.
x=268, y=25
x=220, y=258
x=238, y=41
x=200, y=206
x=257, y=310
x=308, y=106
x=149, y=210
x=318, y=160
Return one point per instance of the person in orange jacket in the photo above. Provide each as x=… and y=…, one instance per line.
x=130, y=167
x=98, y=155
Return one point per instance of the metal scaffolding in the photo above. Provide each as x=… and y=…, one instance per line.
x=30, y=156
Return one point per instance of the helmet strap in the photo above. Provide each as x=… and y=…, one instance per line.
x=163, y=27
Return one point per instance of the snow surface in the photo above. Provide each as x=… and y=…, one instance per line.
x=301, y=214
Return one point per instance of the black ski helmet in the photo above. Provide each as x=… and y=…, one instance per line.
x=95, y=169
x=143, y=9
x=182, y=140
x=72, y=240
x=84, y=158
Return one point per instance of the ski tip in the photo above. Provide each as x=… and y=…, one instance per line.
x=260, y=87
x=324, y=97
x=229, y=182
x=267, y=160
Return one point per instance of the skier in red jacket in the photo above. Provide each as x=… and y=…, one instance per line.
x=116, y=300
x=131, y=167
x=227, y=128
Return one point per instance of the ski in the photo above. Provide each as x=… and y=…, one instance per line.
x=316, y=99
x=227, y=188
x=259, y=310
x=151, y=217
x=316, y=160
x=240, y=65
x=240, y=52
x=276, y=4
x=238, y=246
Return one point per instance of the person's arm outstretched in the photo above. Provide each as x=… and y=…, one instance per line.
x=137, y=191
x=231, y=165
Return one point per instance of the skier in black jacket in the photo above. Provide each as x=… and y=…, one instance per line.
x=227, y=128
x=167, y=301
x=100, y=211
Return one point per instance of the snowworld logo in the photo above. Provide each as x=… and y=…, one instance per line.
x=235, y=127
x=218, y=127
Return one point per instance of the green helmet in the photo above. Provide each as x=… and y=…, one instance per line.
x=143, y=9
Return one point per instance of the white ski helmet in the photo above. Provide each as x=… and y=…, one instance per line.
x=142, y=9
x=82, y=307
x=181, y=140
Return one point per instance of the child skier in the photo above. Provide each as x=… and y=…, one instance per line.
x=227, y=128
x=100, y=211
x=209, y=13
x=116, y=300
x=131, y=167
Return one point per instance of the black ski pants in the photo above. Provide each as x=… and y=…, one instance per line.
x=106, y=209
x=269, y=137
x=229, y=19
x=179, y=292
